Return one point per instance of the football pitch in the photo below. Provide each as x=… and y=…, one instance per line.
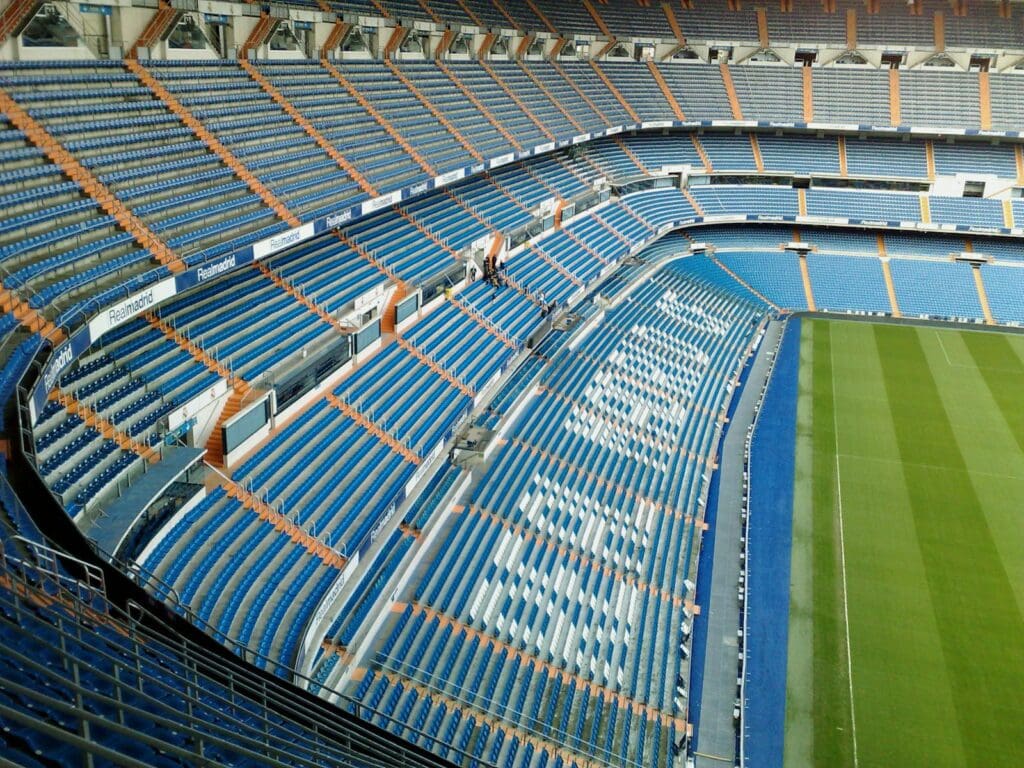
x=906, y=637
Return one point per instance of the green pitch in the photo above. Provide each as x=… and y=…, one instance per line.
x=906, y=642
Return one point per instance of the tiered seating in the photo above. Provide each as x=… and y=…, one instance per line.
x=658, y=207
x=656, y=150
x=841, y=240
x=397, y=242
x=409, y=117
x=741, y=237
x=133, y=381
x=526, y=612
x=144, y=154
x=71, y=658
x=639, y=88
x=342, y=121
x=55, y=242
x=471, y=123
x=463, y=347
x=798, y=154
x=536, y=100
x=699, y=90
x=218, y=557
x=771, y=92
x=872, y=206
x=591, y=84
x=247, y=323
x=969, y=211
x=935, y=288
x=776, y=276
x=845, y=283
x=729, y=151
x=562, y=90
x=851, y=96
x=910, y=244
x=501, y=105
x=328, y=272
x=886, y=157
x=999, y=248
x=1002, y=287
x=974, y=158
x=939, y=98
x=260, y=134
x=612, y=159
x=729, y=199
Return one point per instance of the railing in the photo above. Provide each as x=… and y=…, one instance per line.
x=40, y=578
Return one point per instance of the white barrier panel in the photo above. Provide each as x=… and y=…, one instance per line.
x=272, y=245
x=131, y=307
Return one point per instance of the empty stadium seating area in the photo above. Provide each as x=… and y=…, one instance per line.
x=556, y=228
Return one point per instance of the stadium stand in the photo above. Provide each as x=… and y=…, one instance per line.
x=373, y=231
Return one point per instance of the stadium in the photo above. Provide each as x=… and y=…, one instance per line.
x=519, y=383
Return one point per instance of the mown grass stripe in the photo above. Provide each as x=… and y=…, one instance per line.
x=981, y=629
x=831, y=696
x=1003, y=372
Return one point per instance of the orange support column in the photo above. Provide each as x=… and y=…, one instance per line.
x=894, y=97
x=762, y=27
x=851, y=29
x=701, y=153
x=986, y=311
x=984, y=101
x=929, y=159
x=755, y=149
x=805, y=275
x=258, y=35
x=730, y=90
x=156, y=26
x=430, y=12
x=398, y=36
x=504, y=12
x=890, y=287
x=338, y=33
x=808, y=90
x=673, y=23
x=597, y=18
x=469, y=12
x=13, y=15
x=841, y=142
x=939, y=21
x=540, y=15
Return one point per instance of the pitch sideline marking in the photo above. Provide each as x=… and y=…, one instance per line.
x=842, y=551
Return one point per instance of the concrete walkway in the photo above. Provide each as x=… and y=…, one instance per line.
x=716, y=735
